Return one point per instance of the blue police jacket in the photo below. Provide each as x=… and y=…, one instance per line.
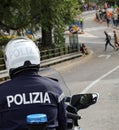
x=28, y=93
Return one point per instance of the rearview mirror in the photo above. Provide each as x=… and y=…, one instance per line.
x=81, y=101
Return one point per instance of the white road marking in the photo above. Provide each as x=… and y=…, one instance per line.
x=99, y=79
x=91, y=42
x=88, y=30
x=87, y=35
x=106, y=56
x=95, y=28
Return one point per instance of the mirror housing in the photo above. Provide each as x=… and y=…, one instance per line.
x=68, y=99
x=82, y=101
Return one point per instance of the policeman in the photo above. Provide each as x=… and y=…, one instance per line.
x=27, y=92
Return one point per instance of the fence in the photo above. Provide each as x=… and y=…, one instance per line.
x=47, y=54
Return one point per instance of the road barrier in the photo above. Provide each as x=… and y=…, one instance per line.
x=48, y=54
x=47, y=62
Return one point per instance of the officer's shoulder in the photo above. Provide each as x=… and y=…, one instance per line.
x=51, y=80
x=54, y=79
x=6, y=83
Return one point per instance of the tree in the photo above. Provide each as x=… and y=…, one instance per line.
x=49, y=14
x=52, y=16
x=14, y=14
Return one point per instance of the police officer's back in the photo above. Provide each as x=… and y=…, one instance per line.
x=27, y=92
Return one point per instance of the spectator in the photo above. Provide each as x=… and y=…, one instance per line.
x=98, y=15
x=29, y=34
x=116, y=40
x=84, y=49
x=108, y=18
x=74, y=29
x=81, y=21
x=108, y=40
x=115, y=18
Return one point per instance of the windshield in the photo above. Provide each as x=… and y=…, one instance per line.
x=52, y=73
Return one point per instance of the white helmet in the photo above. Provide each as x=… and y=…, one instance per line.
x=21, y=53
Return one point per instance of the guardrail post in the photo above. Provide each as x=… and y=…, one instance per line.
x=64, y=50
x=47, y=54
x=53, y=52
x=68, y=49
x=59, y=51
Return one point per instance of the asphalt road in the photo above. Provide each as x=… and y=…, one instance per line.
x=97, y=72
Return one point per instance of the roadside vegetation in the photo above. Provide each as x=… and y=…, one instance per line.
x=51, y=15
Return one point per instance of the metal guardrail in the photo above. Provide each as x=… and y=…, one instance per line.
x=48, y=54
x=4, y=74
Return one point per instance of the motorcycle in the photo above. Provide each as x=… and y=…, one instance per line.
x=74, y=103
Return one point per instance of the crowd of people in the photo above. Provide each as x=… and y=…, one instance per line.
x=108, y=15
x=77, y=26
